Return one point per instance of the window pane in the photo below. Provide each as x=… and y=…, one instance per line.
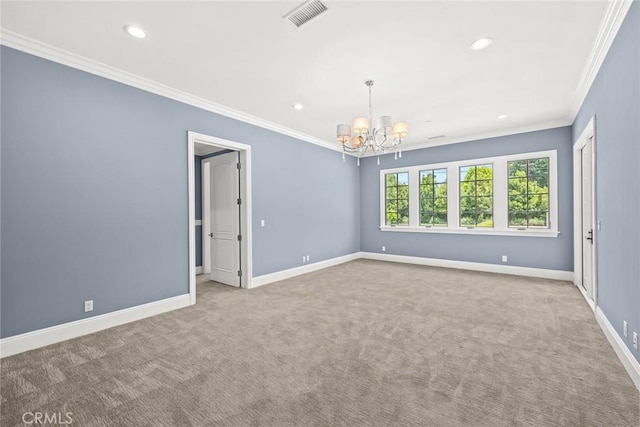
x=529, y=193
x=467, y=219
x=485, y=203
x=517, y=219
x=539, y=219
x=518, y=168
x=440, y=176
x=440, y=219
x=403, y=178
x=433, y=190
x=517, y=203
x=426, y=177
x=426, y=190
x=518, y=185
x=391, y=180
x=397, y=198
x=476, y=195
x=440, y=204
x=464, y=171
x=539, y=203
x=485, y=219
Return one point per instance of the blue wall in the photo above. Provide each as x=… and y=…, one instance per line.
x=84, y=218
x=539, y=252
x=614, y=100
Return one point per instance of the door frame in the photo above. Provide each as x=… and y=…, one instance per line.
x=589, y=132
x=245, y=207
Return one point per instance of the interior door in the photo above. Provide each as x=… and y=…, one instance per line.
x=587, y=218
x=225, y=219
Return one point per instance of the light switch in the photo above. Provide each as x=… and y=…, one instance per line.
x=262, y=223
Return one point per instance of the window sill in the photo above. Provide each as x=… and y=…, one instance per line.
x=478, y=231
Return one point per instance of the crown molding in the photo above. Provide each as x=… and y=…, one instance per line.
x=614, y=16
x=60, y=56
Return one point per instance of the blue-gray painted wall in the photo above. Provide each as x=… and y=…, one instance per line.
x=83, y=218
x=554, y=253
x=614, y=100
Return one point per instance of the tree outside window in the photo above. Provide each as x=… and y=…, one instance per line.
x=476, y=196
x=529, y=193
x=433, y=197
x=397, y=198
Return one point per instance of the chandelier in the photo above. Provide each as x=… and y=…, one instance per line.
x=362, y=137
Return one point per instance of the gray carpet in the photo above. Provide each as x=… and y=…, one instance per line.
x=363, y=343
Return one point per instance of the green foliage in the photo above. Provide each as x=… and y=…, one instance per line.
x=397, y=198
x=476, y=196
x=529, y=193
x=433, y=197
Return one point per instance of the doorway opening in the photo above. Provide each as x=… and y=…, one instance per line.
x=585, y=227
x=226, y=211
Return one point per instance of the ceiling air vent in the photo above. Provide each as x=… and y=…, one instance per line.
x=305, y=12
x=436, y=137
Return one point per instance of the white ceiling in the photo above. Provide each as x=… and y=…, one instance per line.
x=245, y=56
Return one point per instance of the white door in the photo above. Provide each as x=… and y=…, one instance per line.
x=587, y=218
x=225, y=219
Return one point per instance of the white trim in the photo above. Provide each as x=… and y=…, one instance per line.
x=629, y=362
x=206, y=214
x=500, y=197
x=54, y=334
x=479, y=231
x=614, y=16
x=199, y=270
x=52, y=53
x=245, y=212
x=297, y=271
x=588, y=132
x=475, y=266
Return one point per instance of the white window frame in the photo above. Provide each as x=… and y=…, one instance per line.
x=500, y=197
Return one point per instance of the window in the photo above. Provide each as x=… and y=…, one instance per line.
x=529, y=193
x=433, y=197
x=505, y=195
x=476, y=196
x=397, y=199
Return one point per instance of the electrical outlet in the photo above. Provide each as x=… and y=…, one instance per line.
x=635, y=340
x=625, y=329
x=308, y=258
x=304, y=258
x=88, y=305
x=384, y=249
x=504, y=258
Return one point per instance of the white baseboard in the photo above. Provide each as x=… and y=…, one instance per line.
x=476, y=266
x=199, y=270
x=47, y=336
x=624, y=354
x=296, y=271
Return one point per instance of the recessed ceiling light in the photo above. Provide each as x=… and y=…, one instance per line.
x=134, y=31
x=297, y=106
x=502, y=116
x=481, y=43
